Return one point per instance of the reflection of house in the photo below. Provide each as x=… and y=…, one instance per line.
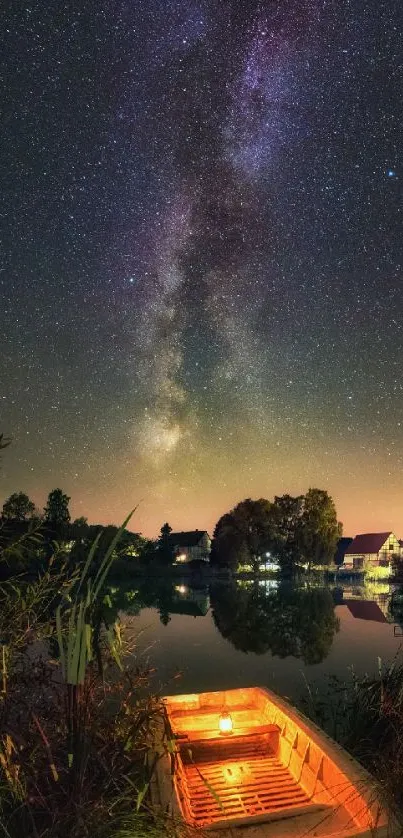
x=188, y=546
x=365, y=610
x=370, y=551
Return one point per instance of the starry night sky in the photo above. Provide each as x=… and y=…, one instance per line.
x=201, y=256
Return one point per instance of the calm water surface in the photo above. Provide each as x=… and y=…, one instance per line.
x=261, y=632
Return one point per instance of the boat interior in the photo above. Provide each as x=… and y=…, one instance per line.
x=245, y=757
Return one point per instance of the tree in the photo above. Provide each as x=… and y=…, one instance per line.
x=18, y=507
x=228, y=548
x=57, y=508
x=164, y=547
x=244, y=534
x=318, y=529
x=80, y=522
x=287, y=511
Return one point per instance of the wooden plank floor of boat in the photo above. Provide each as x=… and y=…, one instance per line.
x=250, y=782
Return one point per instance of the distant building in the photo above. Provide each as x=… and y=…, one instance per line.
x=372, y=550
x=189, y=546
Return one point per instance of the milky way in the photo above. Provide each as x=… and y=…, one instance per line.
x=201, y=267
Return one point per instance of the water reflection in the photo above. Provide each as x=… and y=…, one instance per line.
x=255, y=616
x=166, y=595
x=281, y=620
x=261, y=615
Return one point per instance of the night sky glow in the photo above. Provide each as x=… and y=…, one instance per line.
x=201, y=256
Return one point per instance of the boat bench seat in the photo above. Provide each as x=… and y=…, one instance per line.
x=240, y=733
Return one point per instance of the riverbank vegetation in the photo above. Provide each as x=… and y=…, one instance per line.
x=365, y=715
x=76, y=713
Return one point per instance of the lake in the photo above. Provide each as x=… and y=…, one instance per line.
x=259, y=632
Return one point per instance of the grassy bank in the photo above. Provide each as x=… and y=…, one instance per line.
x=76, y=719
x=365, y=715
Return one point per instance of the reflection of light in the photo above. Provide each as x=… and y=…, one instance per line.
x=181, y=558
x=225, y=723
x=270, y=566
x=181, y=589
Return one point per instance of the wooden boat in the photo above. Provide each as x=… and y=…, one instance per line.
x=246, y=763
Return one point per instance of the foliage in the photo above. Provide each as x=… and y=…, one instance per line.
x=292, y=529
x=56, y=511
x=82, y=521
x=365, y=715
x=287, y=511
x=165, y=551
x=128, y=550
x=318, y=529
x=243, y=534
x=18, y=507
x=75, y=730
x=21, y=545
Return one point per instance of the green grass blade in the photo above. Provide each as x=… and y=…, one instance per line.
x=60, y=641
x=88, y=562
x=108, y=558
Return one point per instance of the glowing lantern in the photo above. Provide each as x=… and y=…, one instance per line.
x=225, y=723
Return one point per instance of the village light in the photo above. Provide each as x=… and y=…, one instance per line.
x=225, y=723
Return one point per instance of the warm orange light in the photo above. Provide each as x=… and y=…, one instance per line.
x=225, y=723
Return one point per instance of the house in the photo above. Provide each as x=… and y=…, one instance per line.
x=189, y=546
x=373, y=550
x=342, y=545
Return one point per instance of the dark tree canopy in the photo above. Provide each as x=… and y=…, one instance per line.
x=164, y=547
x=82, y=521
x=244, y=534
x=293, y=530
x=18, y=507
x=287, y=511
x=56, y=511
x=318, y=530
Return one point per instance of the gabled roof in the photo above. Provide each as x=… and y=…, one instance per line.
x=369, y=542
x=366, y=610
x=186, y=539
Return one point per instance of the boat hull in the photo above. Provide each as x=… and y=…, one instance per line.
x=275, y=774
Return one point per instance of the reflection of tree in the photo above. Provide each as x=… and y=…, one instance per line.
x=149, y=593
x=396, y=607
x=159, y=593
x=284, y=622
